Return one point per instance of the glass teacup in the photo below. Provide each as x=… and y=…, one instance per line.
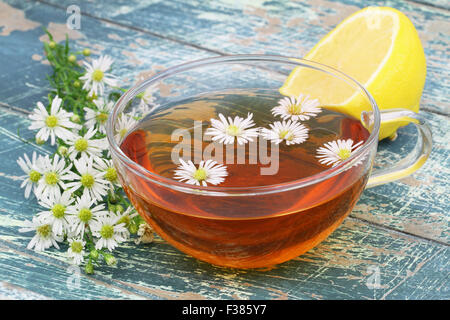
x=256, y=220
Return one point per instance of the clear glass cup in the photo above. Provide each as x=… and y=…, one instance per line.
x=258, y=226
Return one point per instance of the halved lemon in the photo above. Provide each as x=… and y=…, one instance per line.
x=381, y=49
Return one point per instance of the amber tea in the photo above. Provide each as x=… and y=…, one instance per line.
x=244, y=141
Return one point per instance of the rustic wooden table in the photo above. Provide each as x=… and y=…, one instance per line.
x=396, y=237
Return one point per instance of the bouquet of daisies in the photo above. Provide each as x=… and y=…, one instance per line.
x=83, y=204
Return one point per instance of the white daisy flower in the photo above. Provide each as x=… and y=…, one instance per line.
x=292, y=132
x=76, y=250
x=44, y=237
x=109, y=232
x=334, y=152
x=227, y=131
x=123, y=125
x=96, y=76
x=85, y=145
x=208, y=171
x=54, y=175
x=97, y=118
x=54, y=124
x=83, y=213
x=57, y=213
x=33, y=170
x=109, y=171
x=126, y=216
x=88, y=178
x=147, y=96
x=297, y=108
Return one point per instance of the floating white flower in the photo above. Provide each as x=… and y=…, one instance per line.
x=208, y=171
x=96, y=76
x=33, y=170
x=123, y=125
x=76, y=250
x=97, y=118
x=54, y=124
x=109, y=171
x=57, y=213
x=85, y=145
x=54, y=175
x=334, y=152
x=88, y=178
x=227, y=131
x=83, y=213
x=109, y=232
x=292, y=132
x=44, y=237
x=297, y=108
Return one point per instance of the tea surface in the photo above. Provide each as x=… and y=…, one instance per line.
x=190, y=118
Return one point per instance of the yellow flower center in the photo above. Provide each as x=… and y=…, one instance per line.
x=285, y=134
x=200, y=174
x=76, y=246
x=81, y=145
x=123, y=132
x=51, y=121
x=44, y=231
x=58, y=211
x=101, y=117
x=34, y=176
x=233, y=130
x=295, y=109
x=85, y=215
x=107, y=231
x=97, y=75
x=344, y=154
x=87, y=180
x=111, y=174
x=51, y=178
x=125, y=219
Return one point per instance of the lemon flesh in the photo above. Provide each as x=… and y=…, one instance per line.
x=377, y=46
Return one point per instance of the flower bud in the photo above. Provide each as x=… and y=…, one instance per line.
x=62, y=150
x=132, y=228
x=109, y=259
x=94, y=254
x=72, y=58
x=119, y=209
x=75, y=118
x=76, y=84
x=86, y=52
x=52, y=44
x=89, y=269
x=113, y=198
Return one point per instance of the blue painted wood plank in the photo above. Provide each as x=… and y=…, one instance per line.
x=277, y=27
x=137, y=55
x=32, y=277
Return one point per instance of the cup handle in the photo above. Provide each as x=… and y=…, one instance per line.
x=412, y=161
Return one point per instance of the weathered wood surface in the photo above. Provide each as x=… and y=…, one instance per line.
x=399, y=230
x=288, y=28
